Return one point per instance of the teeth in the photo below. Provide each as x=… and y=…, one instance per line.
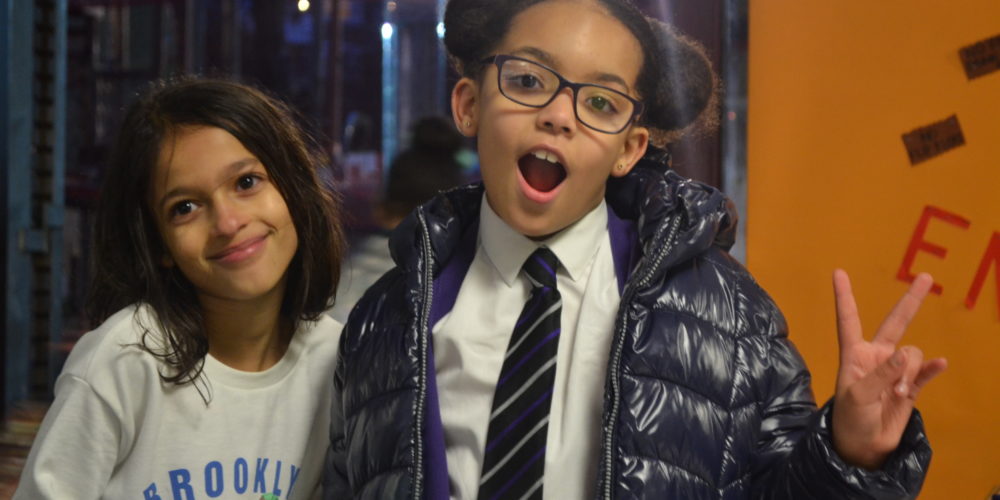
x=545, y=155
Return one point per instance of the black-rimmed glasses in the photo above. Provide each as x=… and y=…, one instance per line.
x=531, y=84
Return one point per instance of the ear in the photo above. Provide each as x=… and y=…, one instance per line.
x=465, y=106
x=636, y=140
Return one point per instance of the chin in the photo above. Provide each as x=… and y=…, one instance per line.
x=247, y=291
x=537, y=232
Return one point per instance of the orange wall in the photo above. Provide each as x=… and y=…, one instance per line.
x=833, y=87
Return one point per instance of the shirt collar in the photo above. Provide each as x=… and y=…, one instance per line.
x=575, y=246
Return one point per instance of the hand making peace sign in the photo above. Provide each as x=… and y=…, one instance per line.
x=877, y=383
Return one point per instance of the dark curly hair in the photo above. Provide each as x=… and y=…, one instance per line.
x=128, y=249
x=676, y=82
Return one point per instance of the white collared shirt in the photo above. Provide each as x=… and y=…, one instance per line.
x=470, y=343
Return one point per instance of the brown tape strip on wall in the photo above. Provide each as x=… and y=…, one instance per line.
x=932, y=140
x=981, y=58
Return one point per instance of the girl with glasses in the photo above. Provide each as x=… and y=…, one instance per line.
x=573, y=327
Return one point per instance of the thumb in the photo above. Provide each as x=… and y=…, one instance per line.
x=885, y=375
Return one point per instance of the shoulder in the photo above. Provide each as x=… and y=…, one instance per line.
x=112, y=363
x=383, y=308
x=116, y=344
x=320, y=338
x=717, y=288
x=383, y=296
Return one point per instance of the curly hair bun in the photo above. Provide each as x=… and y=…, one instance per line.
x=686, y=99
x=474, y=27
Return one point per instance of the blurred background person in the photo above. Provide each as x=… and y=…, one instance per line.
x=428, y=166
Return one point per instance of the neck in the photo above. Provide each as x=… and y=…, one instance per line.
x=247, y=335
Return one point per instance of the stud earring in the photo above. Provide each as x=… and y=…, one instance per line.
x=621, y=166
x=467, y=123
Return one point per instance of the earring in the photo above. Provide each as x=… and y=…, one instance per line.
x=621, y=166
x=467, y=123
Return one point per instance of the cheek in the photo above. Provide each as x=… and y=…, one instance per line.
x=182, y=244
x=293, y=240
x=607, y=155
x=279, y=211
x=499, y=138
x=610, y=147
x=501, y=120
x=282, y=220
x=491, y=156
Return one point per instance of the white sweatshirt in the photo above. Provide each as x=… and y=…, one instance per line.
x=116, y=430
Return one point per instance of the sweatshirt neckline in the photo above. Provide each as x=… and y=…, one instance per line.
x=220, y=373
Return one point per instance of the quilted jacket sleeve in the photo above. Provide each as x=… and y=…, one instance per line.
x=795, y=457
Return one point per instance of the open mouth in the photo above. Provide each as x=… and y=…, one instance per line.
x=541, y=170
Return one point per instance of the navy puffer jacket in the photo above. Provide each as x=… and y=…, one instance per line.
x=705, y=395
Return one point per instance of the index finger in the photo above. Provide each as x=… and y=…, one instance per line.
x=848, y=321
x=895, y=323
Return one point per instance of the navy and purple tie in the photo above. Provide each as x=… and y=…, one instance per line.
x=514, y=459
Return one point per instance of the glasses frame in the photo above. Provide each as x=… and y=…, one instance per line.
x=499, y=59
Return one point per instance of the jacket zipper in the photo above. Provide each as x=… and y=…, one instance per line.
x=616, y=355
x=428, y=295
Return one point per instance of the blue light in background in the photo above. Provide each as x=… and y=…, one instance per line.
x=390, y=94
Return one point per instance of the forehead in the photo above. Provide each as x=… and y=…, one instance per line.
x=580, y=37
x=193, y=156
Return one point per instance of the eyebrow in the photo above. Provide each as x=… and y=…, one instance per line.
x=547, y=59
x=231, y=170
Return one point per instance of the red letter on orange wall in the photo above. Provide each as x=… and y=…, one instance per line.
x=992, y=256
x=917, y=242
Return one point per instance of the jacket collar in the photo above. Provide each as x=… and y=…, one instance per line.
x=651, y=196
x=448, y=219
x=656, y=198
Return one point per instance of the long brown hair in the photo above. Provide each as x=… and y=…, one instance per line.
x=128, y=250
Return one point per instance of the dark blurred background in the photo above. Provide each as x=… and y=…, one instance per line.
x=360, y=72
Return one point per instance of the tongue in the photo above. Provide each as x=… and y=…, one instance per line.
x=540, y=174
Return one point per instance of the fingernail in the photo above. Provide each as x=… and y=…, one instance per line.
x=897, y=358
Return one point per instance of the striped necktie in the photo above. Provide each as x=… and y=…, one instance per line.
x=514, y=459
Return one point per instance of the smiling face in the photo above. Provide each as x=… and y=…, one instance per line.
x=224, y=223
x=544, y=170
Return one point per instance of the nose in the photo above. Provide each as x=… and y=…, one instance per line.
x=230, y=217
x=558, y=115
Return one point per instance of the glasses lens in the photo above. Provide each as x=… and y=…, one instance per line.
x=527, y=83
x=603, y=109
